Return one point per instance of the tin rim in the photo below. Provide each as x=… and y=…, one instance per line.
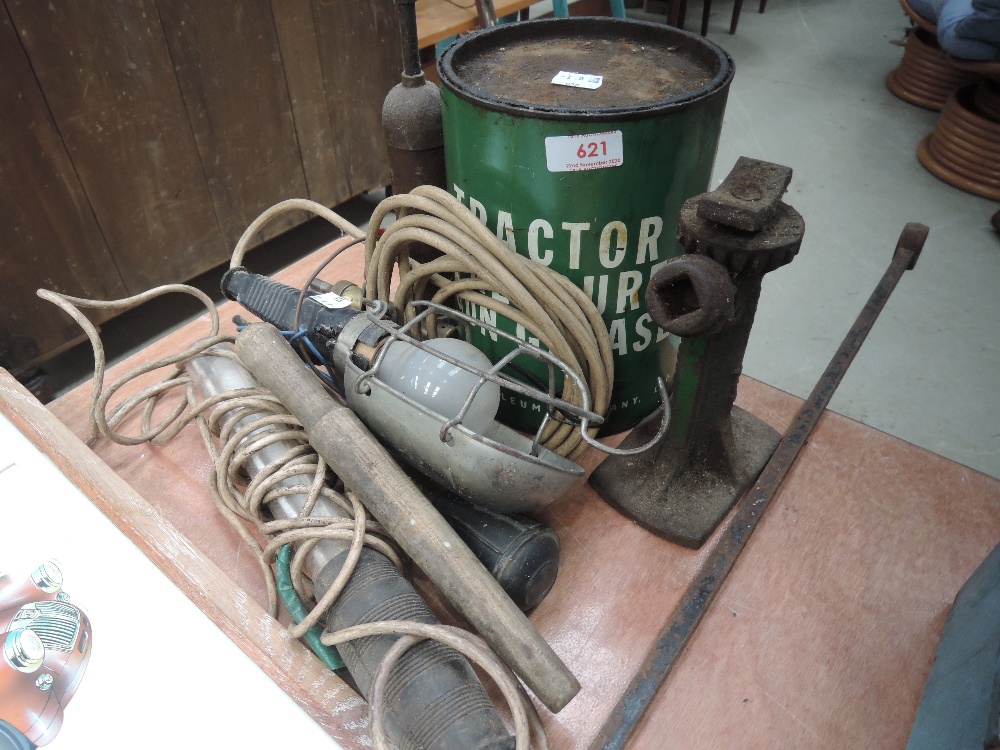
x=501, y=35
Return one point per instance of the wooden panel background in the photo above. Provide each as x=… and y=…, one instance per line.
x=298, y=41
x=226, y=58
x=155, y=131
x=108, y=79
x=822, y=637
x=42, y=208
x=346, y=41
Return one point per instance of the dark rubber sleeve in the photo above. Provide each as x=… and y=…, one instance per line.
x=434, y=699
x=520, y=552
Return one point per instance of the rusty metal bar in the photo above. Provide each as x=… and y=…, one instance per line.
x=632, y=706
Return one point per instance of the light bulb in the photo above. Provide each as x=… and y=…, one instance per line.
x=441, y=386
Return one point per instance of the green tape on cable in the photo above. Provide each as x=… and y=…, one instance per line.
x=327, y=654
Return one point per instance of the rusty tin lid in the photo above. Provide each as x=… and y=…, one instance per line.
x=647, y=68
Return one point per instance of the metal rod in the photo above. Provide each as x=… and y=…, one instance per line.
x=632, y=706
x=409, y=42
x=487, y=13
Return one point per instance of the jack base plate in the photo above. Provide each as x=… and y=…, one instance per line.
x=679, y=496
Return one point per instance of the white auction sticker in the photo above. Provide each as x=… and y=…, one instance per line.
x=575, y=153
x=332, y=300
x=578, y=80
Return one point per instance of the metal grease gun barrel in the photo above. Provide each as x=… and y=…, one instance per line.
x=436, y=699
x=339, y=437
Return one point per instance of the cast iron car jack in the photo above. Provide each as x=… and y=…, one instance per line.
x=682, y=488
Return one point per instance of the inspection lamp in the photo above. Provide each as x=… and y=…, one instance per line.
x=432, y=402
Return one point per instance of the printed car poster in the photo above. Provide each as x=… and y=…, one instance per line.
x=98, y=648
x=46, y=641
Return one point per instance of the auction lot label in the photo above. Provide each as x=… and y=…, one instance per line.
x=575, y=153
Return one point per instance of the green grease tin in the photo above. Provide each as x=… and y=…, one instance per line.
x=585, y=176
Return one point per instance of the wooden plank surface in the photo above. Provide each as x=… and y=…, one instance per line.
x=142, y=137
x=230, y=72
x=440, y=19
x=45, y=213
x=320, y=692
x=110, y=84
x=822, y=637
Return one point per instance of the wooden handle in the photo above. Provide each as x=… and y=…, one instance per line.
x=368, y=469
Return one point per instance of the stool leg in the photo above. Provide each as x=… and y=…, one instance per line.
x=673, y=12
x=704, y=17
x=763, y=4
x=737, y=7
x=683, y=14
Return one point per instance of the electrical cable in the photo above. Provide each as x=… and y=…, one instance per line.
x=337, y=390
x=286, y=590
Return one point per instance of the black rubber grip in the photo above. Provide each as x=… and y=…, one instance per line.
x=520, y=552
x=274, y=302
x=434, y=700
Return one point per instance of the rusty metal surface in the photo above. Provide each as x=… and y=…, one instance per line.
x=684, y=487
x=747, y=198
x=691, y=296
x=411, y=116
x=630, y=709
x=774, y=246
x=646, y=67
x=743, y=224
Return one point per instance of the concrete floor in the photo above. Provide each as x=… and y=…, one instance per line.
x=809, y=93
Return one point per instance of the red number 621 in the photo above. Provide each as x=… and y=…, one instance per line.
x=587, y=150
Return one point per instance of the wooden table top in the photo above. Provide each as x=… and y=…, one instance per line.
x=440, y=19
x=822, y=637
